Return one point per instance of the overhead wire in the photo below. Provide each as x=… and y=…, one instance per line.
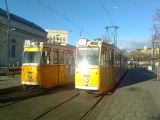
x=106, y=11
x=109, y=17
x=63, y=16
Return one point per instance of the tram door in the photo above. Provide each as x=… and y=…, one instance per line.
x=61, y=68
x=117, y=65
x=55, y=71
x=103, y=72
x=109, y=68
x=69, y=66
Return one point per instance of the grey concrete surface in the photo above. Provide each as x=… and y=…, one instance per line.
x=137, y=98
x=9, y=81
x=31, y=108
x=72, y=110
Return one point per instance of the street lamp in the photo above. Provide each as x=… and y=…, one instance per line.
x=8, y=37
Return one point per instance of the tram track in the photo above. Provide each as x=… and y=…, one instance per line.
x=15, y=92
x=77, y=107
x=10, y=90
x=4, y=102
x=13, y=98
x=53, y=108
x=84, y=117
x=18, y=96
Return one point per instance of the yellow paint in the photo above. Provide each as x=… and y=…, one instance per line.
x=32, y=71
x=30, y=49
x=48, y=76
x=103, y=78
x=92, y=75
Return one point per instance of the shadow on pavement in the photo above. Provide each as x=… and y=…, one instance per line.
x=134, y=76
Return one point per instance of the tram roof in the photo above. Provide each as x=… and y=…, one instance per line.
x=85, y=42
x=29, y=43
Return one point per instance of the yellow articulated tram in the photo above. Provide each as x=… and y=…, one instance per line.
x=99, y=66
x=47, y=65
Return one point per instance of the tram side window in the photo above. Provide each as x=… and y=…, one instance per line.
x=61, y=55
x=117, y=59
x=70, y=59
x=122, y=60
x=103, y=59
x=55, y=57
x=66, y=58
x=108, y=58
x=46, y=57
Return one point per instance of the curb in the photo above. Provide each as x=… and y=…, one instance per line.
x=10, y=89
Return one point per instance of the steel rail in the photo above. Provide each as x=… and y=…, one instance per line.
x=84, y=117
x=18, y=96
x=44, y=113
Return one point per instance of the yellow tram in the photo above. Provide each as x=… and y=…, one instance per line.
x=47, y=65
x=99, y=66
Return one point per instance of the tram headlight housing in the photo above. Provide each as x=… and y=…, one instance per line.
x=29, y=77
x=86, y=80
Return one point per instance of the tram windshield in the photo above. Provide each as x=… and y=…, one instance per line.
x=31, y=57
x=87, y=56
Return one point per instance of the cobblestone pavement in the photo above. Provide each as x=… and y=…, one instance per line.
x=137, y=98
x=9, y=81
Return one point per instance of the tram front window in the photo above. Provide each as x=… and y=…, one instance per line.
x=31, y=57
x=87, y=56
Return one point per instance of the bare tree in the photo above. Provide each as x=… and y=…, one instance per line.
x=156, y=29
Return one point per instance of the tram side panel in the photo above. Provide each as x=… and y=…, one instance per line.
x=66, y=74
x=107, y=80
x=69, y=73
x=49, y=76
x=104, y=82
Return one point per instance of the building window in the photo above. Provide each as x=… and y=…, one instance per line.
x=60, y=40
x=53, y=38
x=13, y=48
x=13, y=41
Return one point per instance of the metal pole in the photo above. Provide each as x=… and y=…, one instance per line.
x=115, y=36
x=8, y=38
x=81, y=32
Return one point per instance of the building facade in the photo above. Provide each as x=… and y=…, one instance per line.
x=20, y=30
x=57, y=36
x=149, y=51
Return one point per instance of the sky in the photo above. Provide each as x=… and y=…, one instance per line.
x=90, y=17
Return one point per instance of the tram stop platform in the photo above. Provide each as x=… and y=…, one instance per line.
x=9, y=83
x=136, y=98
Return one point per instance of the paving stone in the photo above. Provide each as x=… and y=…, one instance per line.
x=137, y=98
x=132, y=118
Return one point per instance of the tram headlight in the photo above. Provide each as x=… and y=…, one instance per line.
x=84, y=66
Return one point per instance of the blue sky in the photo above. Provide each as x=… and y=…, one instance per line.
x=134, y=18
